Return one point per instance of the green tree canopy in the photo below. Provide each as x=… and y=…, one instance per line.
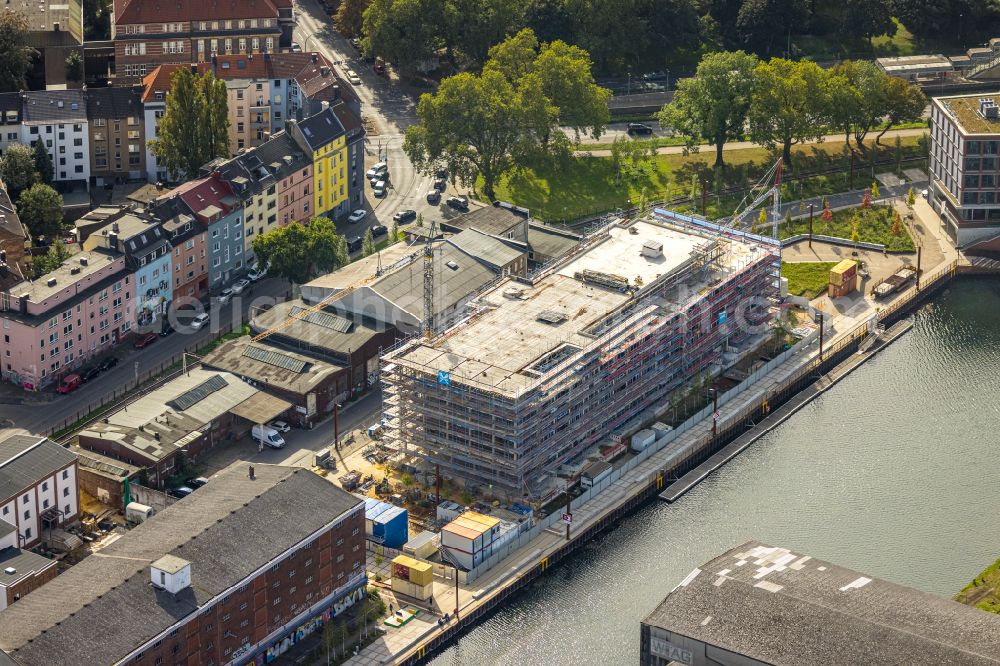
x=350, y=17
x=43, y=264
x=301, y=252
x=40, y=208
x=904, y=102
x=367, y=243
x=17, y=169
x=866, y=19
x=74, y=66
x=787, y=105
x=194, y=128
x=857, y=98
x=763, y=26
x=713, y=104
x=43, y=163
x=15, y=54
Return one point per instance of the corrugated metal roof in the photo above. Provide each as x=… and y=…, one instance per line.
x=324, y=319
x=192, y=397
x=274, y=358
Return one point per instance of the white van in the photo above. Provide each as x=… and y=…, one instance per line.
x=268, y=436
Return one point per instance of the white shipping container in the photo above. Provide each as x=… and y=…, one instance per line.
x=137, y=513
x=642, y=439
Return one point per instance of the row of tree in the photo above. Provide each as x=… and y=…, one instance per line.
x=779, y=103
x=624, y=34
x=512, y=114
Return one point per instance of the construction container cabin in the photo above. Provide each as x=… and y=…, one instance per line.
x=541, y=370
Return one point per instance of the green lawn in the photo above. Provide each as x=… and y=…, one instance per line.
x=874, y=226
x=585, y=186
x=807, y=278
x=834, y=46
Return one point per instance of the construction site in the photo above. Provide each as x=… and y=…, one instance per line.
x=543, y=369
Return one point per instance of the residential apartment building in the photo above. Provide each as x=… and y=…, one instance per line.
x=212, y=579
x=147, y=33
x=10, y=120
x=295, y=201
x=117, y=133
x=965, y=165
x=55, y=323
x=140, y=237
x=324, y=138
x=189, y=238
x=58, y=118
x=38, y=486
x=265, y=91
x=154, y=105
x=216, y=206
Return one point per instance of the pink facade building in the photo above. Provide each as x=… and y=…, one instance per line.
x=295, y=193
x=54, y=324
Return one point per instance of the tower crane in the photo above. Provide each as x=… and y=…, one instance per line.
x=767, y=187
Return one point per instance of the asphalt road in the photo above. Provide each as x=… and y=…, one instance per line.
x=38, y=412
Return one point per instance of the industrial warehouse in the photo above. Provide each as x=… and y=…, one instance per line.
x=545, y=368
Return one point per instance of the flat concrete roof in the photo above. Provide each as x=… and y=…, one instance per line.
x=363, y=268
x=781, y=607
x=964, y=111
x=521, y=327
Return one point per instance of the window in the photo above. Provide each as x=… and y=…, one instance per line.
x=45, y=485
x=27, y=533
x=65, y=492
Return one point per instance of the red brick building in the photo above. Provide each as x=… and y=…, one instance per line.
x=149, y=33
x=235, y=573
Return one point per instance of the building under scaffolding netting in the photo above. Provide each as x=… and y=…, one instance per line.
x=543, y=369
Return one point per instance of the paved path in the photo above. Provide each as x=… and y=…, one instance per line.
x=740, y=145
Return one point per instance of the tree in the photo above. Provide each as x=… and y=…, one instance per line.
x=15, y=54
x=350, y=17
x=857, y=98
x=761, y=220
x=195, y=125
x=17, y=169
x=43, y=163
x=866, y=19
x=394, y=232
x=911, y=198
x=74, y=66
x=903, y=102
x=763, y=26
x=827, y=214
x=933, y=18
x=866, y=199
x=713, y=104
x=96, y=20
x=43, y=264
x=299, y=252
x=367, y=244
x=476, y=124
x=897, y=225
x=874, y=190
x=788, y=104
x=40, y=208
x=404, y=32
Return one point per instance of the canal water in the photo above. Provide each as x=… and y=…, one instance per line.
x=893, y=472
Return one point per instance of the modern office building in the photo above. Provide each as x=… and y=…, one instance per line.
x=238, y=572
x=536, y=372
x=758, y=605
x=965, y=165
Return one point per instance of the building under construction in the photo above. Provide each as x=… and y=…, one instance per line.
x=542, y=369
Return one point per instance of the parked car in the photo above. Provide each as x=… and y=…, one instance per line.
x=257, y=273
x=296, y=47
x=145, y=340
x=433, y=197
x=355, y=244
x=166, y=330
x=379, y=188
x=108, y=363
x=440, y=184
x=441, y=173
x=379, y=230
x=377, y=170
x=90, y=373
x=404, y=216
x=353, y=77
x=356, y=43
x=240, y=285
x=225, y=295
x=379, y=66
x=639, y=129
x=180, y=492
x=280, y=426
x=357, y=216
x=199, y=321
x=69, y=384
x=459, y=203
x=196, y=483
x=267, y=436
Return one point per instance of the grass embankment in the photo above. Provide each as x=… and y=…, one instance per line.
x=874, y=226
x=807, y=278
x=586, y=186
x=982, y=592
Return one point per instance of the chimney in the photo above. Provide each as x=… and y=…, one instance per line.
x=51, y=282
x=324, y=71
x=252, y=477
x=114, y=227
x=84, y=261
x=324, y=105
x=336, y=92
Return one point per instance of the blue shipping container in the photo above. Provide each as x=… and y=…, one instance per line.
x=391, y=527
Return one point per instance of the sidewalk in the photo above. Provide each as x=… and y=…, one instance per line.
x=742, y=145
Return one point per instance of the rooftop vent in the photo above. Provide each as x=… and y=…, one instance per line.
x=10, y=571
x=551, y=317
x=988, y=108
x=652, y=249
x=51, y=282
x=74, y=270
x=452, y=265
x=84, y=261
